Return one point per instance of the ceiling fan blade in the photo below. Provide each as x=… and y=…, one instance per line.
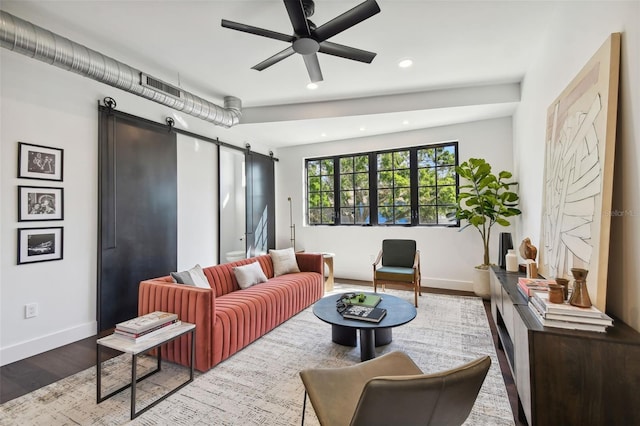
x=274, y=59
x=257, y=31
x=313, y=67
x=346, y=52
x=348, y=19
x=298, y=19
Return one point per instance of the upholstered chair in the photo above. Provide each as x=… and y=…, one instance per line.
x=400, y=265
x=392, y=390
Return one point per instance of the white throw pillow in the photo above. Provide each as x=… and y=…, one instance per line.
x=199, y=279
x=196, y=274
x=284, y=261
x=249, y=275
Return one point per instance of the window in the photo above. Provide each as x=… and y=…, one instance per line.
x=394, y=188
x=320, y=190
x=437, y=184
x=409, y=186
x=354, y=190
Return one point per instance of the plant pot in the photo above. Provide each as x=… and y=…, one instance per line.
x=481, y=285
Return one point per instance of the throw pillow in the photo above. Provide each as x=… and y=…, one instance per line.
x=194, y=276
x=249, y=275
x=182, y=278
x=284, y=261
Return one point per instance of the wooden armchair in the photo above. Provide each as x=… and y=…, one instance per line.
x=400, y=265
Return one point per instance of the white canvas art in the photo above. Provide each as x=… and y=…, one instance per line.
x=578, y=173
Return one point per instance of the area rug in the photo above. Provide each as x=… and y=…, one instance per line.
x=260, y=384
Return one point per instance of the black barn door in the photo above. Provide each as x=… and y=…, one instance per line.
x=137, y=211
x=261, y=223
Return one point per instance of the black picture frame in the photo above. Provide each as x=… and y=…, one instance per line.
x=40, y=162
x=40, y=244
x=38, y=203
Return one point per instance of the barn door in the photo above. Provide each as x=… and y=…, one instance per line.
x=261, y=223
x=137, y=211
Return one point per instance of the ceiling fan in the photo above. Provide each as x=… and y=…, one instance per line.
x=307, y=39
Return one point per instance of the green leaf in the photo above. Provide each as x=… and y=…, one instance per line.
x=503, y=222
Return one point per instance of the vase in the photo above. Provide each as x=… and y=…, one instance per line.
x=565, y=286
x=511, y=261
x=580, y=294
x=506, y=243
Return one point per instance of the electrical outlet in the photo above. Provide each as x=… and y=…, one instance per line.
x=31, y=310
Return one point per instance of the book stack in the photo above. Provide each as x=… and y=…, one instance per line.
x=564, y=315
x=146, y=326
x=527, y=285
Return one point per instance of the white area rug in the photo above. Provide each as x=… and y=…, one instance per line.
x=260, y=385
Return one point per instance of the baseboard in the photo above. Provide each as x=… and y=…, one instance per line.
x=448, y=284
x=41, y=344
x=426, y=284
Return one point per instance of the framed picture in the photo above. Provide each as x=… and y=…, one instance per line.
x=39, y=162
x=40, y=203
x=39, y=244
x=578, y=173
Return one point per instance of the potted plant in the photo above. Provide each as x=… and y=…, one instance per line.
x=485, y=201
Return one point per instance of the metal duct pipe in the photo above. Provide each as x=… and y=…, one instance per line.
x=36, y=42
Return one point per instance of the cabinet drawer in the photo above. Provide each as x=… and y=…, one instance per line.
x=507, y=311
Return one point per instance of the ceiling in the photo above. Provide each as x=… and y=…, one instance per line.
x=468, y=58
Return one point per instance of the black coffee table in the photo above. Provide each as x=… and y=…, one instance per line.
x=343, y=331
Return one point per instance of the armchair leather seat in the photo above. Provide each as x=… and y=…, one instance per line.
x=392, y=389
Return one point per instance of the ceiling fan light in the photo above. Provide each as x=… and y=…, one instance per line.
x=405, y=63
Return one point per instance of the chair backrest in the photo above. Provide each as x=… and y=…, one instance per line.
x=398, y=253
x=444, y=398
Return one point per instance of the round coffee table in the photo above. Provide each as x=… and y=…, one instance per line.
x=343, y=331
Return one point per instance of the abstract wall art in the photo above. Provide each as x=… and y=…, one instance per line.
x=578, y=173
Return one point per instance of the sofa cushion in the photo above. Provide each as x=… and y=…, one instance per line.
x=249, y=275
x=284, y=261
x=193, y=276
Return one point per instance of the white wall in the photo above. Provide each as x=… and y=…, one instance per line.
x=575, y=33
x=44, y=105
x=447, y=256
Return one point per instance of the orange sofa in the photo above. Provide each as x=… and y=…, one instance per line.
x=227, y=318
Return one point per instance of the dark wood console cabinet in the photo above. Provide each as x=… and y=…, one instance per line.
x=566, y=377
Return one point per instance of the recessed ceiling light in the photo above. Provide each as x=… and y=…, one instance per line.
x=324, y=135
x=362, y=129
x=312, y=86
x=405, y=122
x=405, y=63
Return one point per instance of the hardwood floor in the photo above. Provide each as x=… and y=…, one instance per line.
x=27, y=375
x=22, y=377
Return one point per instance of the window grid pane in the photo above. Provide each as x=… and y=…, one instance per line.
x=437, y=188
x=320, y=196
x=354, y=190
x=394, y=187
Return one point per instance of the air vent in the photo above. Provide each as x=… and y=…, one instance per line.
x=154, y=83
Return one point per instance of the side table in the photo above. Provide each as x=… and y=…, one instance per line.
x=328, y=261
x=137, y=348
